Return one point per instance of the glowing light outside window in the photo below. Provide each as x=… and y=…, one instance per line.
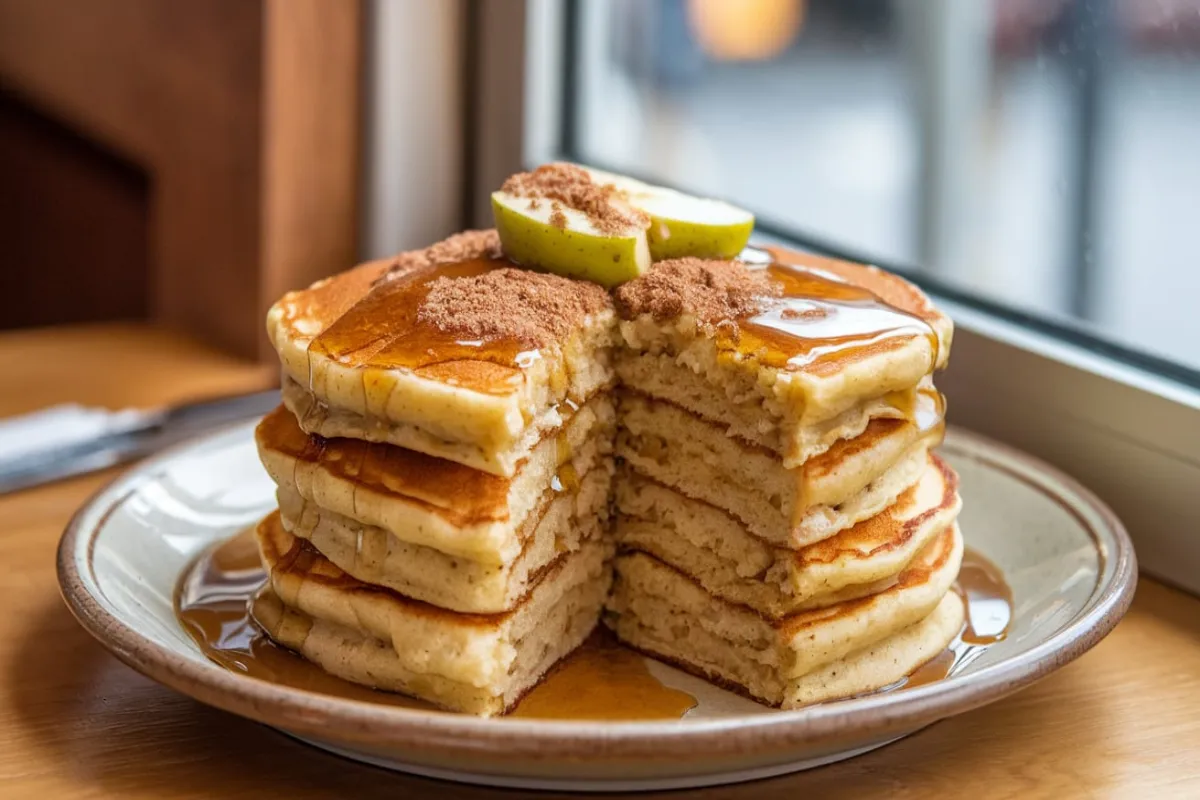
x=745, y=30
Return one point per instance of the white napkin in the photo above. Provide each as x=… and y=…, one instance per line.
x=62, y=426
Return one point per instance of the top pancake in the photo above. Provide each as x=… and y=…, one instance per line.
x=452, y=351
x=781, y=345
x=795, y=312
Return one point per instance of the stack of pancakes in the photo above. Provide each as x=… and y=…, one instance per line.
x=443, y=488
x=784, y=527
x=450, y=504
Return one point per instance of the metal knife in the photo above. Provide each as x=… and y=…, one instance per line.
x=68, y=440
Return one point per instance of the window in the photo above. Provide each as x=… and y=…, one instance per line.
x=1034, y=164
x=1041, y=154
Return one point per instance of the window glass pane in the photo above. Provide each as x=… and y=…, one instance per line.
x=1043, y=153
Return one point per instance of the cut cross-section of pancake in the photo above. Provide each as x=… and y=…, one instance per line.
x=433, y=502
x=450, y=351
x=716, y=550
x=790, y=351
x=853, y=480
x=562, y=523
x=878, y=639
x=476, y=663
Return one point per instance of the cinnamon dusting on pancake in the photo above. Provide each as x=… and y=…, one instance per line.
x=465, y=246
x=716, y=293
x=510, y=303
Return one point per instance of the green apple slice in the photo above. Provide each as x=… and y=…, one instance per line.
x=682, y=225
x=539, y=233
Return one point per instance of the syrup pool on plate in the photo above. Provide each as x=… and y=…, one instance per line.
x=602, y=680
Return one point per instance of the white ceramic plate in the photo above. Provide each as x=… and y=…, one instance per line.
x=1069, y=563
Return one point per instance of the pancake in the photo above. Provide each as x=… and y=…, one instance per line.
x=659, y=610
x=475, y=663
x=884, y=662
x=659, y=376
x=716, y=550
x=329, y=422
x=779, y=349
x=451, y=351
x=428, y=501
x=790, y=507
x=562, y=524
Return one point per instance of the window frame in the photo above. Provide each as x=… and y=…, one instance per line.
x=1123, y=422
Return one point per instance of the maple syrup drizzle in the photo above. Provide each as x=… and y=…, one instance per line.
x=821, y=321
x=382, y=331
x=604, y=680
x=456, y=491
x=212, y=605
x=989, y=610
x=600, y=680
x=566, y=477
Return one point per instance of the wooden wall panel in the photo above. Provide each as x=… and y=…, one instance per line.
x=311, y=143
x=74, y=221
x=243, y=115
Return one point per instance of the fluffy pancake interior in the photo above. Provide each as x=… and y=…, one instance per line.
x=717, y=551
x=855, y=479
x=658, y=609
x=746, y=414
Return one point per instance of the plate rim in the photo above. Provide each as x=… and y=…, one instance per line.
x=548, y=740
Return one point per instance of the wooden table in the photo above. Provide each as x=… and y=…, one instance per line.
x=1124, y=720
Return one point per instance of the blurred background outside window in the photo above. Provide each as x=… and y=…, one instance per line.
x=1040, y=153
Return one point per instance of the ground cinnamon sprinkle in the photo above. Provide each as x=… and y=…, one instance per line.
x=816, y=312
x=510, y=303
x=463, y=246
x=557, y=218
x=573, y=188
x=716, y=293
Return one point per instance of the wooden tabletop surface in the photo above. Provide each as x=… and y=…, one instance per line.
x=1122, y=721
